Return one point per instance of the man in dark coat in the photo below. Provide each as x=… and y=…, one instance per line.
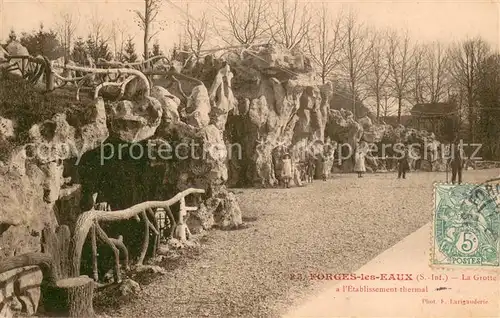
x=457, y=163
x=403, y=165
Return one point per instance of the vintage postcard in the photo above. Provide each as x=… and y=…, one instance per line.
x=249, y=158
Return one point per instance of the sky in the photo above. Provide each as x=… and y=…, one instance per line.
x=426, y=21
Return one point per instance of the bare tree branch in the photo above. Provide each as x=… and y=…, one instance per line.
x=465, y=60
x=379, y=71
x=400, y=58
x=66, y=28
x=419, y=74
x=196, y=32
x=118, y=37
x=244, y=21
x=324, y=43
x=356, y=57
x=436, y=66
x=97, y=29
x=290, y=23
x=146, y=19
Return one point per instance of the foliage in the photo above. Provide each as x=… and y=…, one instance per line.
x=156, y=49
x=488, y=93
x=26, y=106
x=98, y=49
x=129, y=55
x=79, y=52
x=42, y=42
x=12, y=36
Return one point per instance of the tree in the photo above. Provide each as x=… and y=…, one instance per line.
x=436, y=64
x=42, y=43
x=156, y=49
x=290, y=24
x=145, y=21
x=325, y=42
x=419, y=74
x=399, y=59
x=488, y=95
x=97, y=30
x=118, y=30
x=245, y=21
x=129, y=55
x=66, y=29
x=97, y=40
x=97, y=50
x=196, y=31
x=379, y=72
x=79, y=53
x=465, y=61
x=356, y=57
x=12, y=36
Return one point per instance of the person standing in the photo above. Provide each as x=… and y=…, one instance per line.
x=286, y=173
x=359, y=161
x=457, y=163
x=403, y=165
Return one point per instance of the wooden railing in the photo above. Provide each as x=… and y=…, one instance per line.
x=89, y=221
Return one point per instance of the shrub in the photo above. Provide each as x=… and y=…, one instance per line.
x=26, y=105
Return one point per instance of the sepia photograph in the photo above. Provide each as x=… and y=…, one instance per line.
x=249, y=158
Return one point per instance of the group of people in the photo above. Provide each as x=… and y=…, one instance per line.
x=360, y=162
x=456, y=162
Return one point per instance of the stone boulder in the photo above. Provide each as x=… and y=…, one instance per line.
x=53, y=141
x=24, y=212
x=225, y=209
x=169, y=103
x=372, y=133
x=198, y=108
x=200, y=220
x=276, y=60
x=222, y=97
x=6, y=128
x=33, y=180
x=134, y=121
x=343, y=128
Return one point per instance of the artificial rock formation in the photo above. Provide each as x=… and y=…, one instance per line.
x=134, y=121
x=280, y=104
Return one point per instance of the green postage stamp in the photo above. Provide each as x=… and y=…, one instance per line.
x=466, y=225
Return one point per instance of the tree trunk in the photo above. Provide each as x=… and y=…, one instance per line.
x=471, y=116
x=71, y=297
x=378, y=107
x=146, y=28
x=353, y=101
x=400, y=101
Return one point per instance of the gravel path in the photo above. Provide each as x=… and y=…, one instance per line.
x=327, y=227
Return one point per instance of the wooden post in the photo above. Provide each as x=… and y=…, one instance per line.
x=156, y=238
x=71, y=297
x=95, y=271
x=49, y=76
x=145, y=242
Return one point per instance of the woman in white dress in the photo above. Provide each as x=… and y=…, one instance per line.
x=286, y=161
x=359, y=161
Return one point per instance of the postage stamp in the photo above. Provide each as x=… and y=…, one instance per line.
x=466, y=225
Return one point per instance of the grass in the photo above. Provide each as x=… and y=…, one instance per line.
x=27, y=105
